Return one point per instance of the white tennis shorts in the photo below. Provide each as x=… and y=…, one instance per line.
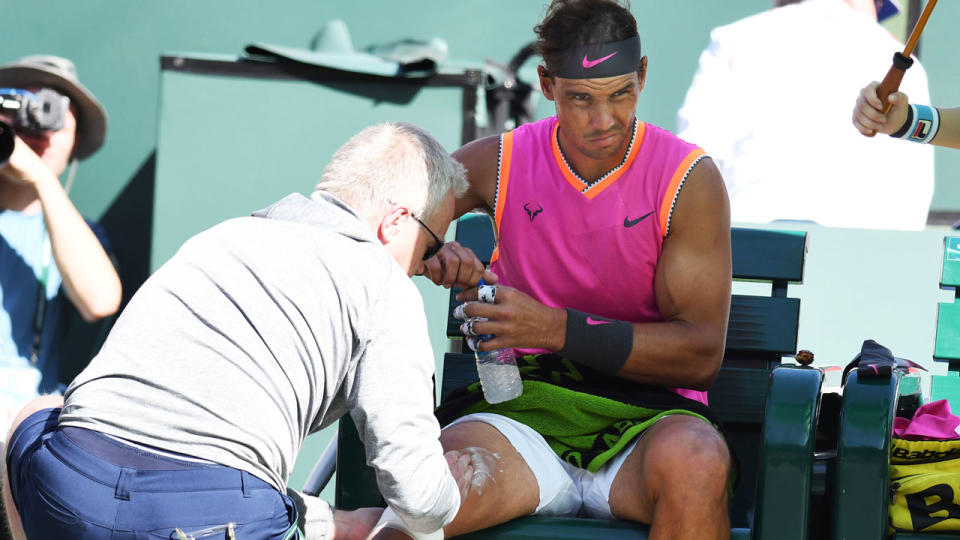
x=565, y=489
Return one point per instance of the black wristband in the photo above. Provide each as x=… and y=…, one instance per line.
x=598, y=342
x=898, y=134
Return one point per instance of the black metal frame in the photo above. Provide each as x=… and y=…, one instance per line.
x=469, y=81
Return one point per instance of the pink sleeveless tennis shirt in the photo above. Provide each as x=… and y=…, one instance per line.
x=595, y=247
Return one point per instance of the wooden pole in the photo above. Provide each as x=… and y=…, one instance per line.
x=902, y=61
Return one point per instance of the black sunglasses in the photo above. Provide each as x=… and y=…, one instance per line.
x=433, y=249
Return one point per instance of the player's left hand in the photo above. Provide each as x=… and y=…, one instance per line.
x=515, y=319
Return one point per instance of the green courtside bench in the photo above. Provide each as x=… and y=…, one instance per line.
x=769, y=411
x=862, y=478
x=947, y=344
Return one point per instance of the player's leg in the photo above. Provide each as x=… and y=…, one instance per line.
x=676, y=480
x=527, y=476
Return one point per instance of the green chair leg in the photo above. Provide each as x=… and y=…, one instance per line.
x=862, y=481
x=785, y=473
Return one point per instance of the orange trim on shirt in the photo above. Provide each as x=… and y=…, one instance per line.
x=503, y=178
x=667, y=204
x=595, y=190
x=558, y=158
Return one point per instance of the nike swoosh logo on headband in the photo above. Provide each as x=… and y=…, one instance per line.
x=590, y=63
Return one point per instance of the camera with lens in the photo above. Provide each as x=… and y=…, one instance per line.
x=28, y=112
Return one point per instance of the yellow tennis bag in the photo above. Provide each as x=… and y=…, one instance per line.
x=925, y=485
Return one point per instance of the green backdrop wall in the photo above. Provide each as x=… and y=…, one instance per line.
x=116, y=46
x=939, y=57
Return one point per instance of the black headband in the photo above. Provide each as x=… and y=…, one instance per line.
x=599, y=60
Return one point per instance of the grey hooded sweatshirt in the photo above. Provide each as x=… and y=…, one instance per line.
x=264, y=329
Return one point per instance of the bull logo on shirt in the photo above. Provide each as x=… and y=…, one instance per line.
x=532, y=213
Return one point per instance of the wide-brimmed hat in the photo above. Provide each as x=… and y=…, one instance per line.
x=61, y=75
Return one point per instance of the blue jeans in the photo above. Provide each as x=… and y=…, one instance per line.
x=104, y=489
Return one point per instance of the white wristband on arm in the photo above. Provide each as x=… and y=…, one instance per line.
x=921, y=125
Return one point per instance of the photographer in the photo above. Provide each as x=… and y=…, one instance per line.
x=47, y=249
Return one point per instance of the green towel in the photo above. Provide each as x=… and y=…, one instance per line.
x=585, y=416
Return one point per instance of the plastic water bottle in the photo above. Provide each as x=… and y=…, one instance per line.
x=499, y=375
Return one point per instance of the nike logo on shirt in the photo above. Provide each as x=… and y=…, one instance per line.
x=590, y=63
x=628, y=223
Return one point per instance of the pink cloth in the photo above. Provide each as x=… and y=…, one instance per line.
x=933, y=421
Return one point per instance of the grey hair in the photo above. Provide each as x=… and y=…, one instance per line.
x=393, y=163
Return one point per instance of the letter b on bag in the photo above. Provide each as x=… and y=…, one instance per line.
x=921, y=513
